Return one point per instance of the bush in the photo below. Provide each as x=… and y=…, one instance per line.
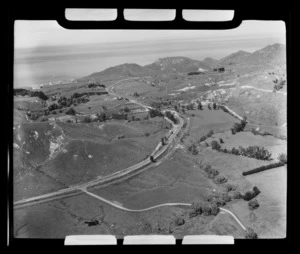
x=192, y=214
x=71, y=111
x=235, y=195
x=230, y=187
x=218, y=202
x=197, y=207
x=253, y=204
x=226, y=197
x=220, y=179
x=221, y=140
x=250, y=234
x=215, y=145
x=282, y=158
x=87, y=119
x=214, y=209
x=251, y=194
x=179, y=221
x=206, y=209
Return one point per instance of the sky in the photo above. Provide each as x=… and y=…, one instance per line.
x=29, y=34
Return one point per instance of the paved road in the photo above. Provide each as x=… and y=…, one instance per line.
x=157, y=153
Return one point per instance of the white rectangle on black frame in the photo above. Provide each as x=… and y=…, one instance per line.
x=149, y=240
x=207, y=239
x=90, y=240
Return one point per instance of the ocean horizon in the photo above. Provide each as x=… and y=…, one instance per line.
x=40, y=65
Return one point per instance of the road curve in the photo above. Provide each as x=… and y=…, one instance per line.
x=119, y=206
x=133, y=210
x=115, y=176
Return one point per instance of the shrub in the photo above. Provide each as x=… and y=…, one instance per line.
x=215, y=145
x=179, y=221
x=221, y=140
x=229, y=187
x=206, y=209
x=218, y=202
x=251, y=194
x=250, y=234
x=147, y=134
x=225, y=196
x=192, y=214
x=220, y=179
x=282, y=158
x=235, y=195
x=214, y=209
x=253, y=204
x=87, y=119
x=248, y=195
x=71, y=111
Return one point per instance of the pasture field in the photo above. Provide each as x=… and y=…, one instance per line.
x=176, y=179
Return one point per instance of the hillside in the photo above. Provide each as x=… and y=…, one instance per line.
x=272, y=54
x=177, y=65
x=235, y=58
x=120, y=71
x=210, y=61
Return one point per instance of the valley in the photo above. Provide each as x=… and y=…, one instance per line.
x=163, y=146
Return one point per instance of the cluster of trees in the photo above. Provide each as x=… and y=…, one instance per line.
x=193, y=149
x=279, y=83
x=262, y=168
x=214, y=106
x=251, y=194
x=214, y=201
x=237, y=127
x=23, y=92
x=63, y=101
x=257, y=152
x=93, y=85
x=171, y=117
x=205, y=208
x=155, y=112
x=222, y=69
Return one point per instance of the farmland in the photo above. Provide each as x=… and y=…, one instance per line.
x=105, y=123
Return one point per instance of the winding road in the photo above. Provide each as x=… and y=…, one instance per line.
x=120, y=175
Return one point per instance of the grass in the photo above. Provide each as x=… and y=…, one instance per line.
x=175, y=180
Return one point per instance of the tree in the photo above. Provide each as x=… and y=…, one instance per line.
x=209, y=107
x=215, y=145
x=214, y=106
x=253, y=204
x=71, y=111
x=200, y=106
x=250, y=234
x=87, y=119
x=197, y=207
x=235, y=195
x=126, y=109
x=206, y=209
x=282, y=158
x=214, y=209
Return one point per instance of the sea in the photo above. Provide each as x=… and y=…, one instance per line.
x=40, y=65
